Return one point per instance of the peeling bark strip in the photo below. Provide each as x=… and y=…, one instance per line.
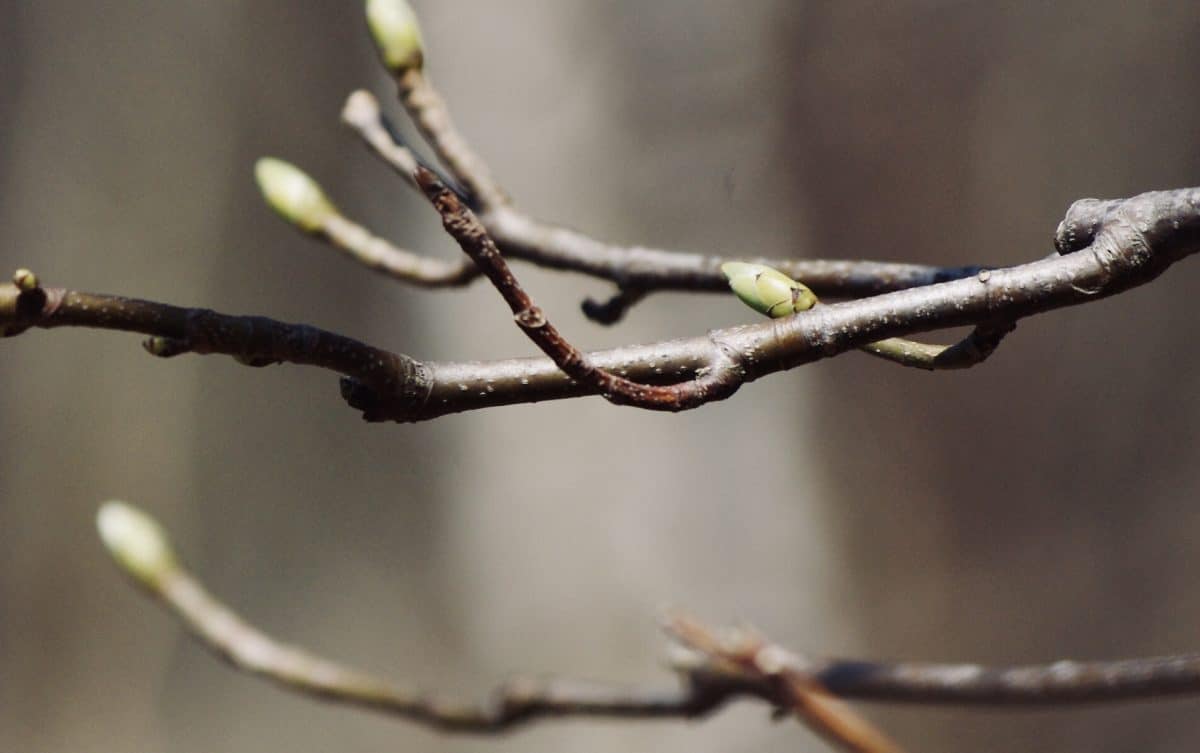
x=1137, y=239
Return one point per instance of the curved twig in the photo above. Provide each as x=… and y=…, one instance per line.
x=716, y=380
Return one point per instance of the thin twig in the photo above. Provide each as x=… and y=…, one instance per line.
x=711, y=671
x=747, y=652
x=1140, y=240
x=970, y=351
x=630, y=267
x=614, y=309
x=429, y=112
x=144, y=552
x=382, y=256
x=716, y=382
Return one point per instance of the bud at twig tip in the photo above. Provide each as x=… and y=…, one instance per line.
x=361, y=108
x=25, y=280
x=136, y=542
x=397, y=34
x=292, y=194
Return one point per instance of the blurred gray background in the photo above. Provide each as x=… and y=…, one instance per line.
x=1034, y=508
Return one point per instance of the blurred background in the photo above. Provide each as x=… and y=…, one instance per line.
x=1035, y=508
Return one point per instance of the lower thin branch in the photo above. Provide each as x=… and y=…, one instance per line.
x=746, y=651
x=712, y=670
x=514, y=702
x=970, y=351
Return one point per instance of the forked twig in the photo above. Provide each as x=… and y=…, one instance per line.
x=800, y=692
x=635, y=269
x=717, y=380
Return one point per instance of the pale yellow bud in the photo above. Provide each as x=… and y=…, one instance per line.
x=136, y=542
x=397, y=34
x=293, y=195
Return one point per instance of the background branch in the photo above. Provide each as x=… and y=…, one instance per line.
x=714, y=668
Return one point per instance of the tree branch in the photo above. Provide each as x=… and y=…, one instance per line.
x=1140, y=239
x=769, y=291
x=632, y=268
x=718, y=379
x=713, y=668
x=299, y=200
x=747, y=652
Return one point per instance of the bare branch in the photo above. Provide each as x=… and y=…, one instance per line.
x=718, y=380
x=301, y=202
x=970, y=351
x=633, y=268
x=429, y=112
x=712, y=671
x=251, y=340
x=1141, y=239
x=376, y=253
x=144, y=553
x=747, y=652
x=770, y=292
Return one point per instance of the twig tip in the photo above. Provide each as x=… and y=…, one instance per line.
x=397, y=34
x=293, y=195
x=136, y=541
x=361, y=108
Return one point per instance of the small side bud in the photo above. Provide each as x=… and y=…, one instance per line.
x=136, y=542
x=292, y=194
x=766, y=290
x=25, y=280
x=165, y=347
x=397, y=34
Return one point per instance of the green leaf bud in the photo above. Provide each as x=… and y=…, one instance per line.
x=293, y=195
x=25, y=280
x=766, y=290
x=136, y=542
x=397, y=34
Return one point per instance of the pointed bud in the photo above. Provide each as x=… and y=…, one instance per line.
x=766, y=290
x=136, y=542
x=292, y=194
x=397, y=34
